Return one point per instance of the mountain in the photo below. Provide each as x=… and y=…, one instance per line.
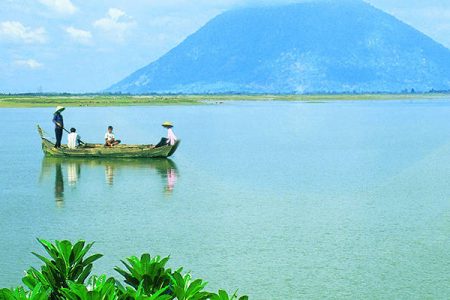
x=308, y=47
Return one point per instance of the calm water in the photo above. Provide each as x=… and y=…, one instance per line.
x=282, y=200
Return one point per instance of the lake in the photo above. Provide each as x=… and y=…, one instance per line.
x=283, y=200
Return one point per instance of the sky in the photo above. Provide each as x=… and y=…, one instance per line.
x=85, y=46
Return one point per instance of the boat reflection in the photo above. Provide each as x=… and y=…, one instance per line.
x=109, y=174
x=165, y=168
x=171, y=180
x=73, y=173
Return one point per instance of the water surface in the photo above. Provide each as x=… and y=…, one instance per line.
x=283, y=200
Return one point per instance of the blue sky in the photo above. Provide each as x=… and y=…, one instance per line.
x=85, y=46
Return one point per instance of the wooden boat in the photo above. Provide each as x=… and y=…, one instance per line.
x=99, y=150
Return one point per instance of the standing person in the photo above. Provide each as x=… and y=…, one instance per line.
x=59, y=125
x=73, y=139
x=110, y=139
x=171, y=137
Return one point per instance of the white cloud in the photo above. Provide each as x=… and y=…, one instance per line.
x=60, y=6
x=17, y=31
x=28, y=63
x=116, y=23
x=115, y=13
x=79, y=35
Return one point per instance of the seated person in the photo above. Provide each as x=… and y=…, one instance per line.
x=110, y=139
x=73, y=139
x=171, y=138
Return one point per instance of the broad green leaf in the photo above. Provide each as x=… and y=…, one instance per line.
x=76, y=249
x=157, y=295
x=65, y=247
x=83, y=252
x=6, y=294
x=44, y=259
x=223, y=295
x=91, y=259
x=51, y=250
x=84, y=274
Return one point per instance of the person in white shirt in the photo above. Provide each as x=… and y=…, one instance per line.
x=110, y=139
x=171, y=137
x=73, y=139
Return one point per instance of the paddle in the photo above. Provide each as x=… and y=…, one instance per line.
x=81, y=142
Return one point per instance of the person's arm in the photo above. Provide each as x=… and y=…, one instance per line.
x=55, y=120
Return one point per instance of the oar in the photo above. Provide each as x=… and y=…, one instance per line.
x=81, y=142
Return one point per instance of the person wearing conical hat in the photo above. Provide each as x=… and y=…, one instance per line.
x=171, y=138
x=59, y=125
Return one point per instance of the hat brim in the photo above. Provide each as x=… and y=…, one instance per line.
x=60, y=110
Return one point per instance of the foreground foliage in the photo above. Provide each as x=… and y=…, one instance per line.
x=66, y=274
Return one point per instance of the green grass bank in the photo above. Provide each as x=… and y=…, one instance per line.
x=127, y=100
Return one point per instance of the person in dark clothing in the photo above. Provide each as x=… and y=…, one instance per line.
x=59, y=125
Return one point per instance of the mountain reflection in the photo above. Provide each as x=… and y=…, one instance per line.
x=72, y=169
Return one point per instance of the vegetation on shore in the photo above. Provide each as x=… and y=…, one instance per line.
x=37, y=100
x=66, y=275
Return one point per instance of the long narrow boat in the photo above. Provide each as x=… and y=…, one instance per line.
x=99, y=150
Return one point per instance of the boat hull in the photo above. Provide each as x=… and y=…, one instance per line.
x=119, y=151
x=101, y=151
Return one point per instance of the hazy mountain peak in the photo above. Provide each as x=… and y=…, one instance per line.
x=314, y=46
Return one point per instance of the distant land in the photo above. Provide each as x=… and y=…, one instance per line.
x=51, y=100
x=313, y=47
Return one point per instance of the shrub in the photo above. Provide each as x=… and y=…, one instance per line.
x=66, y=275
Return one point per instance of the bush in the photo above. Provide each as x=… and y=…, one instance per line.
x=66, y=274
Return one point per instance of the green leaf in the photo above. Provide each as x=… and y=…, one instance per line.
x=65, y=248
x=61, y=267
x=83, y=252
x=76, y=271
x=51, y=250
x=6, y=294
x=223, y=295
x=85, y=274
x=157, y=295
x=91, y=259
x=44, y=259
x=33, y=277
x=76, y=249
x=195, y=287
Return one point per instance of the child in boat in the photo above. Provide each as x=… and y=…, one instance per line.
x=171, y=138
x=73, y=139
x=110, y=139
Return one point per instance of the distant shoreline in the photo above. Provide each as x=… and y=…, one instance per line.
x=25, y=100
